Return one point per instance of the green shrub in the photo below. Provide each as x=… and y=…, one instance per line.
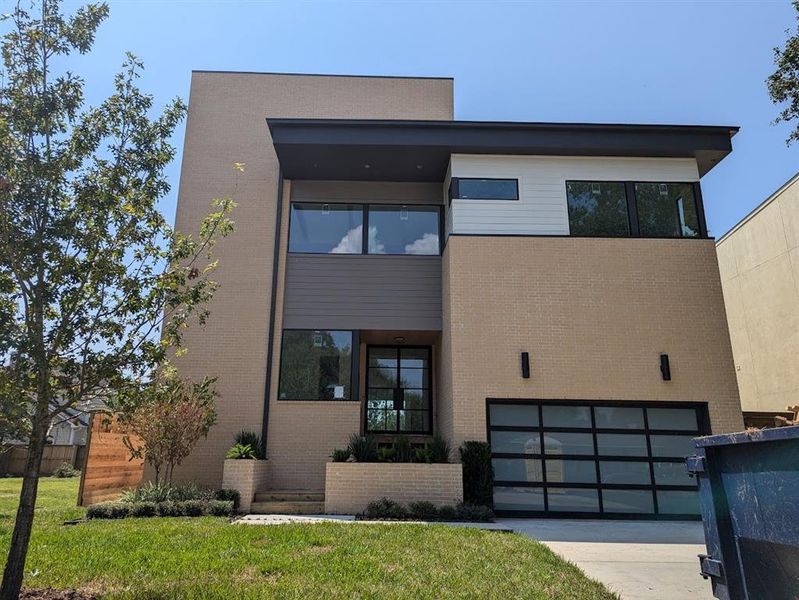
x=386, y=509
x=474, y=513
x=423, y=455
x=143, y=509
x=170, y=509
x=153, y=492
x=363, y=448
x=478, y=474
x=194, y=508
x=340, y=455
x=423, y=510
x=253, y=440
x=225, y=495
x=108, y=510
x=440, y=450
x=403, y=451
x=386, y=454
x=241, y=452
x=447, y=513
x=65, y=470
x=220, y=508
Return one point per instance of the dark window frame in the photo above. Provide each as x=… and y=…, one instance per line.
x=632, y=208
x=365, y=228
x=703, y=428
x=354, y=367
x=454, y=189
x=365, y=425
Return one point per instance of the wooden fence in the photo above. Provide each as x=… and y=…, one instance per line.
x=108, y=470
x=52, y=458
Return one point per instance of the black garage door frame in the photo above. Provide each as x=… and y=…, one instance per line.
x=703, y=422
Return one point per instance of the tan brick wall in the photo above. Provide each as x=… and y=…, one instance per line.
x=247, y=477
x=226, y=124
x=349, y=487
x=594, y=314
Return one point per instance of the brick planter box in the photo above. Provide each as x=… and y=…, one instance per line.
x=246, y=476
x=350, y=486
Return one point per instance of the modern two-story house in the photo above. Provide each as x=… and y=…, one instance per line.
x=550, y=288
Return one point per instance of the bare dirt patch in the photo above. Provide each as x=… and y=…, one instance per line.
x=51, y=594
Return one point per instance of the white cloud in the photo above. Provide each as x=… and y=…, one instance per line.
x=375, y=245
x=352, y=242
x=427, y=244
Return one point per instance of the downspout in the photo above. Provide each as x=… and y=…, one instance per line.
x=271, y=335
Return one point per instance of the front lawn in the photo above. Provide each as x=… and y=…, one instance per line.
x=207, y=557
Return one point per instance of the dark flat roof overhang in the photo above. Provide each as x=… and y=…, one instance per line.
x=376, y=150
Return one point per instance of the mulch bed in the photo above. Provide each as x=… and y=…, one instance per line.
x=51, y=594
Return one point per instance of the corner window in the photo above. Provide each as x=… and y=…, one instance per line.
x=463, y=188
x=625, y=208
x=403, y=229
x=316, y=365
x=597, y=208
x=666, y=210
x=326, y=228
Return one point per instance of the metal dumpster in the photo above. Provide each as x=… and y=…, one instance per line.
x=749, y=497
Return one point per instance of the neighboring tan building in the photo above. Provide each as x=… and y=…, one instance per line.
x=759, y=265
x=392, y=268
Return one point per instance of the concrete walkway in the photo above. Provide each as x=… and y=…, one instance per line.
x=286, y=519
x=640, y=560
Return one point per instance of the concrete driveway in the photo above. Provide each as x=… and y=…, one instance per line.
x=640, y=560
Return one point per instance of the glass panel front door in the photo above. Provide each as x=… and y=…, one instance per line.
x=398, y=390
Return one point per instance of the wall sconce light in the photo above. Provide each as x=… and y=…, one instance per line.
x=526, y=365
x=665, y=369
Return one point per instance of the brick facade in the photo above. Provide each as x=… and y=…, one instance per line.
x=226, y=124
x=594, y=314
x=349, y=487
x=247, y=477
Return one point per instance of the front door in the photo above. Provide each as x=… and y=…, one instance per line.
x=398, y=390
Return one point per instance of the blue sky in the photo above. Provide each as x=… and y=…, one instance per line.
x=634, y=62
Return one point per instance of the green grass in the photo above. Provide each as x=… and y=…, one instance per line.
x=209, y=558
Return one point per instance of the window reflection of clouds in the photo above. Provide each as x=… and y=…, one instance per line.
x=352, y=242
x=427, y=244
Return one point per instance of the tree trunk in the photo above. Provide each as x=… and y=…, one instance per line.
x=15, y=566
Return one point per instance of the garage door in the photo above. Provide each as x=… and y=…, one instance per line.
x=593, y=459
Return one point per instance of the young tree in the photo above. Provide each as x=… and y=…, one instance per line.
x=168, y=417
x=95, y=287
x=783, y=84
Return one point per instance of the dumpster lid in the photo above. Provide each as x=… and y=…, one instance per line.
x=774, y=434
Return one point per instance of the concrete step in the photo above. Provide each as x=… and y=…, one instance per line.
x=296, y=507
x=289, y=496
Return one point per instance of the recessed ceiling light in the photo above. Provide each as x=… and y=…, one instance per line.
x=418, y=166
x=399, y=339
x=367, y=166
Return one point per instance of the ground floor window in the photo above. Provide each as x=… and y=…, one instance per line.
x=591, y=458
x=398, y=389
x=316, y=365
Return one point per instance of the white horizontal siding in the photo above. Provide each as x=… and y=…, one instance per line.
x=541, y=208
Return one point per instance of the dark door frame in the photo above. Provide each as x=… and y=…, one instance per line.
x=428, y=388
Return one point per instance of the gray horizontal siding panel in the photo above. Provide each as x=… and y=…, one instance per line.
x=362, y=292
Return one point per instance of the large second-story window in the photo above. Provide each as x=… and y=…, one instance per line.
x=316, y=365
x=326, y=228
x=597, y=208
x=339, y=229
x=638, y=209
x=666, y=210
x=403, y=229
